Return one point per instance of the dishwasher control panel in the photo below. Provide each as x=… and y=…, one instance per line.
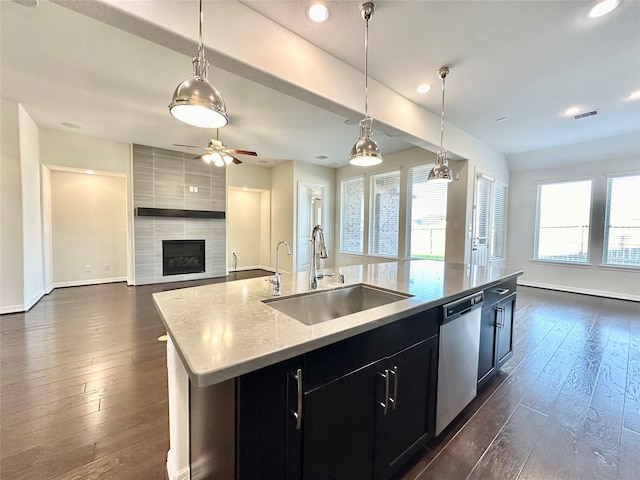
x=463, y=305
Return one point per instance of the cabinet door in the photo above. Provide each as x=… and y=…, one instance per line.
x=338, y=424
x=504, y=329
x=268, y=442
x=406, y=419
x=487, y=355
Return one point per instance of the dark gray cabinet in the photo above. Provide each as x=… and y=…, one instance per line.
x=366, y=405
x=496, y=330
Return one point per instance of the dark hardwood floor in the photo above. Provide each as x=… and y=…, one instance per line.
x=83, y=393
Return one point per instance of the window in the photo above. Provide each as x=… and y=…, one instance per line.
x=352, y=215
x=385, y=214
x=489, y=221
x=564, y=211
x=498, y=221
x=622, y=222
x=426, y=226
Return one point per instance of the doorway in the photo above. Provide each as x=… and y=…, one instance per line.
x=310, y=214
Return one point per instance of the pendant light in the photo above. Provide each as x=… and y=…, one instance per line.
x=366, y=151
x=195, y=100
x=441, y=172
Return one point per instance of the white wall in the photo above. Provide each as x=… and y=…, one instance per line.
x=21, y=263
x=282, y=202
x=61, y=150
x=88, y=228
x=244, y=228
x=33, y=263
x=592, y=279
x=325, y=177
x=11, y=251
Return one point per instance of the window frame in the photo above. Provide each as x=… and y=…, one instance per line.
x=363, y=212
x=536, y=243
x=370, y=236
x=605, y=233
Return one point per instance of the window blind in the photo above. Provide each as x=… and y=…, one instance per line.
x=563, y=221
x=427, y=215
x=385, y=214
x=622, y=222
x=498, y=221
x=352, y=215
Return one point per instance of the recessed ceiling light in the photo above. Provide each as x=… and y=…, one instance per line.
x=604, y=7
x=635, y=95
x=572, y=111
x=423, y=88
x=318, y=12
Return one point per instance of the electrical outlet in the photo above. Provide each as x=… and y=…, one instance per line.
x=87, y=268
x=107, y=266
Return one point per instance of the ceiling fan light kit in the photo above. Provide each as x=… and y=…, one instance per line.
x=441, y=171
x=195, y=101
x=366, y=151
x=217, y=153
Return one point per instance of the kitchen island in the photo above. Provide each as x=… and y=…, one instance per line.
x=223, y=337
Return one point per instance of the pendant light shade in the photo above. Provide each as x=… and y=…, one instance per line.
x=366, y=151
x=195, y=101
x=441, y=172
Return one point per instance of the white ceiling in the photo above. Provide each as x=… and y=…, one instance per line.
x=524, y=60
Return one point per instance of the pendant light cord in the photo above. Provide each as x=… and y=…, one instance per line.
x=442, y=75
x=366, y=68
x=200, y=44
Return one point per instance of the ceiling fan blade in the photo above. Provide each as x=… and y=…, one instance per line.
x=190, y=146
x=201, y=156
x=236, y=161
x=241, y=152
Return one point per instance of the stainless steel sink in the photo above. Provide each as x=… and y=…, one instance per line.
x=319, y=306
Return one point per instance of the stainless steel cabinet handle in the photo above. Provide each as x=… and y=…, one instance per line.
x=297, y=414
x=394, y=400
x=500, y=291
x=385, y=404
x=500, y=320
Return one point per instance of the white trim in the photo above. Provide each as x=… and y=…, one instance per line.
x=96, y=281
x=563, y=263
x=585, y=291
x=12, y=309
x=173, y=474
x=23, y=307
x=614, y=267
x=253, y=267
x=35, y=299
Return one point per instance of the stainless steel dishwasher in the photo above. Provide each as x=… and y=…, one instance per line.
x=458, y=357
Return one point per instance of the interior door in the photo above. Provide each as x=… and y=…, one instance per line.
x=481, y=220
x=310, y=198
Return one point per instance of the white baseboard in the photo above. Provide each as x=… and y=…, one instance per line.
x=251, y=267
x=584, y=291
x=173, y=474
x=12, y=309
x=96, y=281
x=33, y=300
x=22, y=307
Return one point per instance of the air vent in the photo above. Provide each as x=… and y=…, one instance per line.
x=586, y=114
x=322, y=157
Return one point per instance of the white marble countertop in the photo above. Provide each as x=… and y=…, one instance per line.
x=224, y=330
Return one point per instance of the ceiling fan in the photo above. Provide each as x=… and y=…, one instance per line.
x=218, y=153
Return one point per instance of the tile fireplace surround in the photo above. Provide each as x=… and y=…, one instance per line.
x=165, y=179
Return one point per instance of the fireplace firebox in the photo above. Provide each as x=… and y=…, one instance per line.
x=182, y=256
